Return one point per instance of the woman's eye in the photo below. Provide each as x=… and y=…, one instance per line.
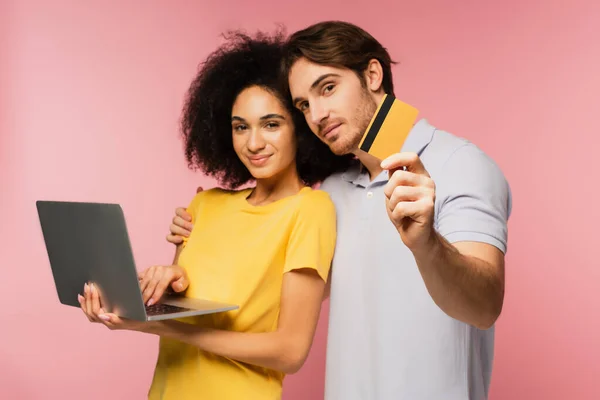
x=239, y=127
x=328, y=88
x=272, y=125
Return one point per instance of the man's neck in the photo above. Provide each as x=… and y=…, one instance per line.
x=371, y=163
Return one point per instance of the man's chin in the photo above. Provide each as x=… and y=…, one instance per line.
x=342, y=149
x=338, y=150
x=341, y=152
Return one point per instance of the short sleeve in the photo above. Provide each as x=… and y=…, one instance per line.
x=312, y=239
x=473, y=199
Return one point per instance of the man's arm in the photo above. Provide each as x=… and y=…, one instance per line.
x=462, y=259
x=465, y=279
x=177, y=254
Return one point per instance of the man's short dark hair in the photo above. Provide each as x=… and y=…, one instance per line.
x=338, y=44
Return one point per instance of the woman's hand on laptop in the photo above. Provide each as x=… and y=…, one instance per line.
x=154, y=281
x=181, y=225
x=91, y=304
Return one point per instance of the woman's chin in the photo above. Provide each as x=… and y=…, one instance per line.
x=262, y=173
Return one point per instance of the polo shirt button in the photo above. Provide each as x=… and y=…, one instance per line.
x=369, y=194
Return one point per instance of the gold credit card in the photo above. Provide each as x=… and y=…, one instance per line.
x=388, y=128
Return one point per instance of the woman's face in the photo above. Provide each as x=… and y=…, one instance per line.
x=263, y=134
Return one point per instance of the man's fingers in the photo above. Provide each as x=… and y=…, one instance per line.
x=174, y=239
x=401, y=178
x=180, y=227
x=183, y=223
x=407, y=178
x=405, y=193
x=411, y=209
x=182, y=213
x=411, y=161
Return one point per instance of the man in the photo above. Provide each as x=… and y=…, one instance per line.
x=413, y=302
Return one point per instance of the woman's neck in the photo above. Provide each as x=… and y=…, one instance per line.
x=275, y=188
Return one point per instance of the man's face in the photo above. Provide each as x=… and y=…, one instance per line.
x=336, y=105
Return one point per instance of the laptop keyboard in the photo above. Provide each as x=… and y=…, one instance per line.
x=162, y=309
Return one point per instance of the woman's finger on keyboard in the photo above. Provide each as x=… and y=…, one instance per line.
x=161, y=285
x=146, y=279
x=151, y=287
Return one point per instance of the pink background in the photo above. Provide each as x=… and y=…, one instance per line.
x=90, y=98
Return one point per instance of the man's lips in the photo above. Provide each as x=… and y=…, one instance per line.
x=329, y=129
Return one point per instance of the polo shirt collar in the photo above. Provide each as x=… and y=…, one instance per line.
x=416, y=141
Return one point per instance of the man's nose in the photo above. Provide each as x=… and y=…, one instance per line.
x=318, y=113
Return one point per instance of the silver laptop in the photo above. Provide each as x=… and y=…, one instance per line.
x=89, y=242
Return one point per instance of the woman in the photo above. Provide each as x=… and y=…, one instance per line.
x=267, y=248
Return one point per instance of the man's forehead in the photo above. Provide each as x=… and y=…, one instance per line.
x=305, y=73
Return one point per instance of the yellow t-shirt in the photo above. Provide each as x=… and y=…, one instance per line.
x=237, y=253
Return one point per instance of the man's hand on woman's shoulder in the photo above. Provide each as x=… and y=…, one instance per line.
x=181, y=226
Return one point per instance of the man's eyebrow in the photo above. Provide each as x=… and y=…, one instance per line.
x=316, y=83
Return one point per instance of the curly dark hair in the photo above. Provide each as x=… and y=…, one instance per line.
x=245, y=61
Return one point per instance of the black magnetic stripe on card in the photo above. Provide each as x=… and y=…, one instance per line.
x=377, y=123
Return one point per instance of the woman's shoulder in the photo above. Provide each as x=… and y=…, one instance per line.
x=315, y=201
x=216, y=196
x=315, y=195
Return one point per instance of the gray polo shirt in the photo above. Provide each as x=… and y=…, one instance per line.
x=387, y=338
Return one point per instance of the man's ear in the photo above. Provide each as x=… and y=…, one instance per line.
x=374, y=75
